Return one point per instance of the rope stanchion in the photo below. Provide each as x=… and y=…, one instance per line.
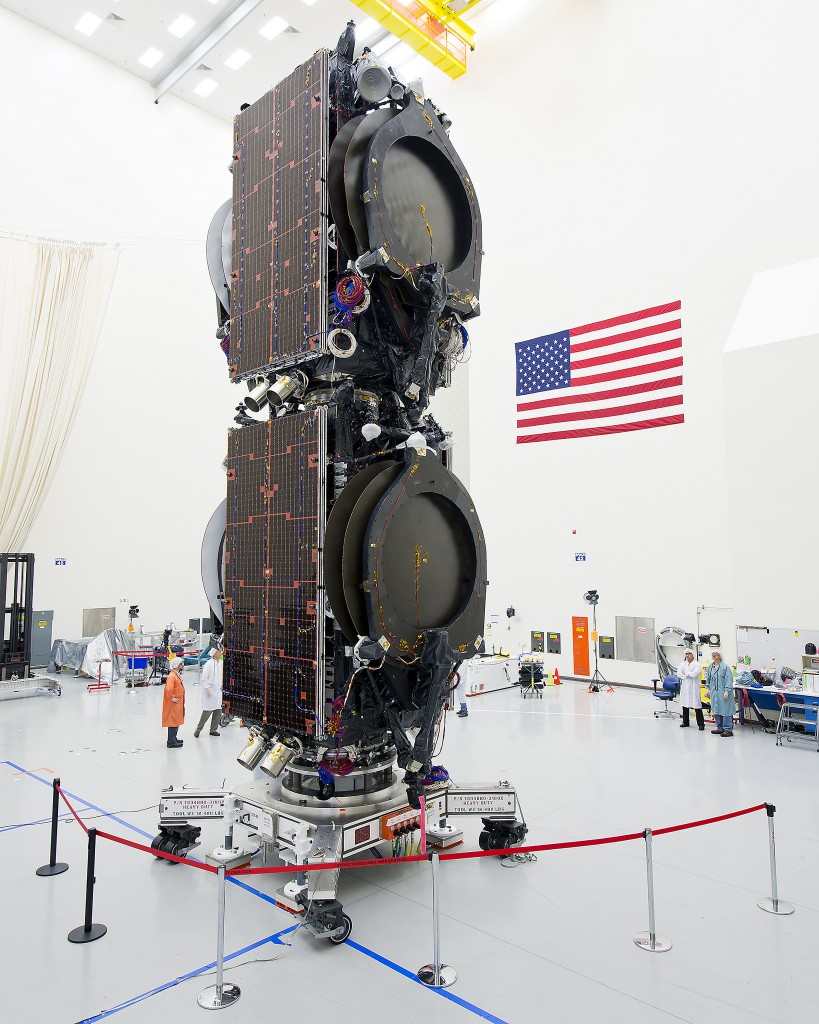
x=65, y=800
x=53, y=867
x=650, y=940
x=217, y=996
x=436, y=974
x=157, y=853
x=88, y=931
x=774, y=905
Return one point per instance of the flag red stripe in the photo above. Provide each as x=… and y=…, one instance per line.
x=631, y=371
x=617, y=428
x=631, y=353
x=569, y=397
x=626, y=318
x=597, y=414
x=613, y=339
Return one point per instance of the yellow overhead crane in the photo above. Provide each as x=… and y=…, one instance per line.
x=429, y=27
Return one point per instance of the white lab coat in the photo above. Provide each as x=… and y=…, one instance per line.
x=212, y=686
x=690, y=684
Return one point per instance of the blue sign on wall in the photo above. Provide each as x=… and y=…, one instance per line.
x=580, y=556
x=59, y=561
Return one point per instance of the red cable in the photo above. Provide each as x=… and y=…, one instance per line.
x=468, y=855
x=79, y=819
x=707, y=821
x=157, y=853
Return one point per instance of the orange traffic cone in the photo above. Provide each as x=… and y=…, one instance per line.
x=557, y=678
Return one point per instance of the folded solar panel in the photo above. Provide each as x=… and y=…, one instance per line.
x=279, y=251
x=274, y=603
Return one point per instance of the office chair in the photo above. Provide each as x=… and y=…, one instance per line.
x=671, y=689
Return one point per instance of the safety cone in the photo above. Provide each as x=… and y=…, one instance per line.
x=551, y=680
x=557, y=678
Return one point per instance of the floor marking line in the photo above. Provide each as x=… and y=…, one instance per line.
x=411, y=976
x=275, y=938
x=483, y=1014
x=127, y=824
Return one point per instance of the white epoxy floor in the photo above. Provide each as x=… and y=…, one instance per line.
x=544, y=941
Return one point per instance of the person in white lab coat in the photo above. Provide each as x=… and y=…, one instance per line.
x=211, y=693
x=689, y=673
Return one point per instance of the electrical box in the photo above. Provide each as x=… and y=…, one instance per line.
x=606, y=647
x=537, y=642
x=553, y=643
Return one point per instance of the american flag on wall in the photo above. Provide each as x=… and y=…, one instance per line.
x=609, y=377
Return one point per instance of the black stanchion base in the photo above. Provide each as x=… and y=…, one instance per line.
x=96, y=931
x=51, y=869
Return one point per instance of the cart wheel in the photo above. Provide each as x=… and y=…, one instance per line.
x=348, y=927
x=225, y=721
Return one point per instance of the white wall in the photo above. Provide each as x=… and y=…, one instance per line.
x=88, y=155
x=627, y=154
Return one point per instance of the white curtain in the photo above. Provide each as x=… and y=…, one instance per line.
x=53, y=297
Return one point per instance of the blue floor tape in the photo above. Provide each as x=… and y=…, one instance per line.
x=444, y=993
x=275, y=938
x=125, y=824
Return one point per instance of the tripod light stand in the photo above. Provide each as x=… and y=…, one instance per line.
x=592, y=597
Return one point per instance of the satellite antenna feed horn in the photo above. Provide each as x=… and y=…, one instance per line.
x=372, y=78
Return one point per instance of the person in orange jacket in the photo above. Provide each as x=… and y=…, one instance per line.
x=173, y=702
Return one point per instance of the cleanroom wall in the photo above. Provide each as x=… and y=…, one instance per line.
x=89, y=156
x=625, y=155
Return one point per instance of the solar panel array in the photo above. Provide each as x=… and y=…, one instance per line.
x=278, y=292
x=273, y=631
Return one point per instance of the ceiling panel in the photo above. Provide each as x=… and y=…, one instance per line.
x=128, y=28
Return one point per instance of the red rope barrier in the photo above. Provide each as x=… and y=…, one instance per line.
x=507, y=851
x=380, y=862
x=707, y=821
x=68, y=805
x=157, y=853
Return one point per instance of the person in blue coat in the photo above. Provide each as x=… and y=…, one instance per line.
x=720, y=682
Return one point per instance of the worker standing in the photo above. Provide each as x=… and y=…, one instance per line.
x=690, y=697
x=173, y=702
x=721, y=688
x=211, y=693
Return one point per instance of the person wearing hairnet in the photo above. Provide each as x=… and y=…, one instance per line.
x=690, y=699
x=211, y=694
x=720, y=682
x=173, y=702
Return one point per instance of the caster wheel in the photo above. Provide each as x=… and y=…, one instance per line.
x=348, y=927
x=157, y=843
x=483, y=840
x=225, y=721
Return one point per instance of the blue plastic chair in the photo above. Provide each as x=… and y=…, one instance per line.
x=670, y=690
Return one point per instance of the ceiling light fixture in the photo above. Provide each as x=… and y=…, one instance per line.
x=181, y=26
x=237, y=60
x=206, y=87
x=273, y=27
x=151, y=57
x=88, y=24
